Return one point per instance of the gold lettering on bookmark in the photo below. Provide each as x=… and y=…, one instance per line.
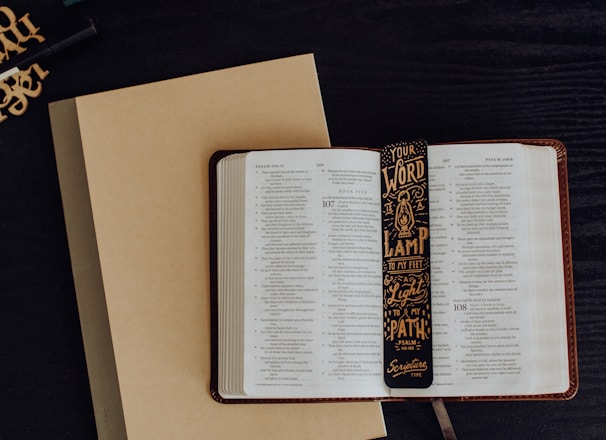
x=406, y=277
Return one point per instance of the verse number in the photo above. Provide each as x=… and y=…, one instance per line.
x=328, y=203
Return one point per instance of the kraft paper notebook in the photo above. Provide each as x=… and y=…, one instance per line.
x=412, y=271
x=133, y=172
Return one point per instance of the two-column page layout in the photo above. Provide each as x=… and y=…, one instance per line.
x=300, y=274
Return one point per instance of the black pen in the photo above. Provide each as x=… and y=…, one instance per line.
x=45, y=49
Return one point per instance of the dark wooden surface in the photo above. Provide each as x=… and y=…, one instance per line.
x=443, y=70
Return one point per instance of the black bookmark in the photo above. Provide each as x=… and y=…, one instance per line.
x=406, y=280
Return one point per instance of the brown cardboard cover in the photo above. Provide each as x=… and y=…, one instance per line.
x=133, y=170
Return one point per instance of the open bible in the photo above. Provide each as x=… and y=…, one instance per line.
x=299, y=260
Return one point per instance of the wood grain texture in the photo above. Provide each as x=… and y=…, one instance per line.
x=389, y=70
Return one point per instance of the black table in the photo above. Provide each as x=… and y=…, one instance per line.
x=442, y=70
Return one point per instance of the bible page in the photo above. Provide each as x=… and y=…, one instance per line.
x=313, y=308
x=484, y=295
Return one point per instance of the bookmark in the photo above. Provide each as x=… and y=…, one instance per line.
x=406, y=281
x=443, y=419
